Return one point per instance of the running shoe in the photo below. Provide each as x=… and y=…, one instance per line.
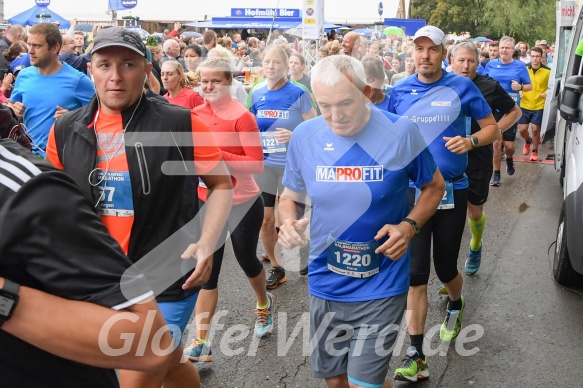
x=449, y=331
x=510, y=167
x=264, y=256
x=534, y=156
x=495, y=180
x=414, y=367
x=276, y=277
x=443, y=291
x=474, y=260
x=304, y=258
x=198, y=351
x=526, y=149
x=264, y=321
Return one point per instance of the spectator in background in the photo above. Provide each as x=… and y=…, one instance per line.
x=15, y=50
x=79, y=39
x=192, y=57
x=236, y=40
x=255, y=58
x=156, y=55
x=174, y=32
x=209, y=42
x=335, y=48
x=252, y=43
x=524, y=52
x=493, y=51
x=545, y=46
x=297, y=66
x=69, y=55
x=225, y=42
x=375, y=76
x=171, y=49
x=409, y=69
x=68, y=45
x=174, y=80
x=15, y=34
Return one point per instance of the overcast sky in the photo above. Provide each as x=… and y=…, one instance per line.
x=188, y=10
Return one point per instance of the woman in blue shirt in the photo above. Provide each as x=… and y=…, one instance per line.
x=279, y=106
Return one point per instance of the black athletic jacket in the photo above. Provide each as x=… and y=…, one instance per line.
x=163, y=202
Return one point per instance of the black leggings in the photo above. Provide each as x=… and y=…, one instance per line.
x=445, y=229
x=244, y=224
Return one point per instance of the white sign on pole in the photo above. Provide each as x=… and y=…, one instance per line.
x=313, y=19
x=568, y=12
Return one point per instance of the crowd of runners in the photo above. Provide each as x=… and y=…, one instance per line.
x=126, y=165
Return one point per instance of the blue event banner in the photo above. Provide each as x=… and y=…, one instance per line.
x=265, y=12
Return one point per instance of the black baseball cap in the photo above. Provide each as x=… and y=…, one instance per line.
x=119, y=37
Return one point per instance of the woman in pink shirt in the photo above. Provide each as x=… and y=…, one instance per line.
x=235, y=130
x=174, y=80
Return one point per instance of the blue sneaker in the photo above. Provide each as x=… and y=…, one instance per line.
x=474, y=260
x=264, y=322
x=199, y=351
x=495, y=180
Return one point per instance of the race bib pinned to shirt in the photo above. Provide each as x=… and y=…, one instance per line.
x=447, y=202
x=514, y=96
x=354, y=259
x=270, y=144
x=116, y=193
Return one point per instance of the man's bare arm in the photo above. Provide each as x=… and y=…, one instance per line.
x=72, y=330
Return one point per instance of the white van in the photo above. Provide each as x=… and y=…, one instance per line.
x=568, y=256
x=566, y=11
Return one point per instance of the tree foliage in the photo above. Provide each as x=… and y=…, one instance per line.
x=526, y=20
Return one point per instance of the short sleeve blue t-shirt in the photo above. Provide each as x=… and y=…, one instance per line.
x=357, y=185
x=280, y=108
x=384, y=104
x=506, y=73
x=440, y=109
x=41, y=94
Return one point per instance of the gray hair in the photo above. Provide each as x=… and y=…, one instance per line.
x=469, y=46
x=330, y=71
x=167, y=44
x=507, y=39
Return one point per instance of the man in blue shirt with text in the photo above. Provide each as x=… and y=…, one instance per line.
x=442, y=105
x=355, y=163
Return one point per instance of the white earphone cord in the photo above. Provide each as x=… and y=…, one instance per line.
x=108, y=159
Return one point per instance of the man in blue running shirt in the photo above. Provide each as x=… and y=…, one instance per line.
x=514, y=78
x=355, y=163
x=49, y=88
x=442, y=105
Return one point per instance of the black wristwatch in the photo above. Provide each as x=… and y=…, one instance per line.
x=475, y=141
x=413, y=224
x=8, y=300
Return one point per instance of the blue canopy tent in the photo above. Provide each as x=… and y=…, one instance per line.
x=37, y=15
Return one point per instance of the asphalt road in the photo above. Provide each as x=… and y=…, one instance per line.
x=520, y=327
